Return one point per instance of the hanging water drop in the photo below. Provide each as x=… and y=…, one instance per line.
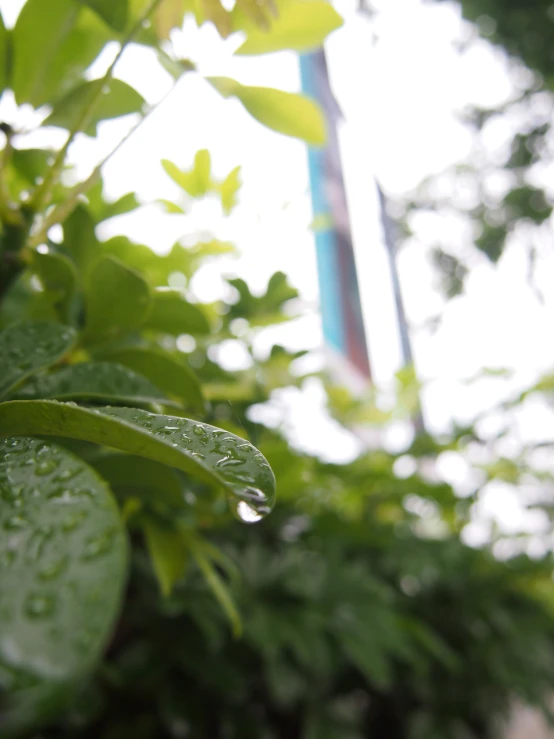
x=247, y=514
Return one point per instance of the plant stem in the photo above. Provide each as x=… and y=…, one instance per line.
x=43, y=192
x=64, y=209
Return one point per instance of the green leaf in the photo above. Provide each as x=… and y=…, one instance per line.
x=212, y=10
x=132, y=475
x=299, y=26
x=171, y=375
x=228, y=189
x=168, y=553
x=217, y=586
x=206, y=452
x=59, y=276
x=285, y=112
x=80, y=239
x=168, y=15
x=29, y=346
x=202, y=169
x=117, y=300
x=114, y=12
x=170, y=207
x=62, y=569
x=119, y=100
x=172, y=314
x=52, y=44
x=195, y=182
x=101, y=209
x=96, y=382
x=4, y=58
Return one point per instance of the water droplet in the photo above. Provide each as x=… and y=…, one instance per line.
x=75, y=519
x=7, y=558
x=45, y=467
x=67, y=474
x=39, y=606
x=197, y=454
x=201, y=433
x=53, y=569
x=37, y=542
x=15, y=523
x=97, y=546
x=247, y=514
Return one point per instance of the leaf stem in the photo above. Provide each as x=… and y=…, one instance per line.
x=43, y=192
x=64, y=209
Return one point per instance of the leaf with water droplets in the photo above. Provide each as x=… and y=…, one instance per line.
x=62, y=568
x=210, y=454
x=168, y=373
x=96, y=382
x=29, y=346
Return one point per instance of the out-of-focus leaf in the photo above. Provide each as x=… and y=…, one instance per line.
x=114, y=12
x=171, y=375
x=132, y=475
x=117, y=300
x=117, y=100
x=80, y=239
x=96, y=382
x=300, y=25
x=52, y=44
x=168, y=553
x=29, y=346
x=285, y=112
x=101, y=209
x=4, y=58
x=229, y=188
x=62, y=573
x=59, y=276
x=171, y=313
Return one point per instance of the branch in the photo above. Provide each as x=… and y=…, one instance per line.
x=43, y=192
x=66, y=208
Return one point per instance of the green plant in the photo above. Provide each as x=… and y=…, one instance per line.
x=94, y=392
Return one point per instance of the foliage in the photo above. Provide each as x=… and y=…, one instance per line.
x=498, y=196
x=132, y=602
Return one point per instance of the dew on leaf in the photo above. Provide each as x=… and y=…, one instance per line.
x=39, y=606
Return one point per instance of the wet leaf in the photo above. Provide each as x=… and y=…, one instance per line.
x=29, y=346
x=205, y=452
x=94, y=381
x=171, y=375
x=62, y=565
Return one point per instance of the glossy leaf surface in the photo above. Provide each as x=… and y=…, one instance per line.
x=62, y=565
x=94, y=381
x=206, y=452
x=29, y=346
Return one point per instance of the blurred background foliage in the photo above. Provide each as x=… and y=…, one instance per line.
x=360, y=609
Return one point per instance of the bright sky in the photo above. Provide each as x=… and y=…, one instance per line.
x=398, y=80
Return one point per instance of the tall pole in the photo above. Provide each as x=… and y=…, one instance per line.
x=341, y=310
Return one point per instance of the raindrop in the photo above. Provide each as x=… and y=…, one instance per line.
x=247, y=514
x=52, y=570
x=15, y=522
x=39, y=606
x=201, y=433
x=46, y=467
